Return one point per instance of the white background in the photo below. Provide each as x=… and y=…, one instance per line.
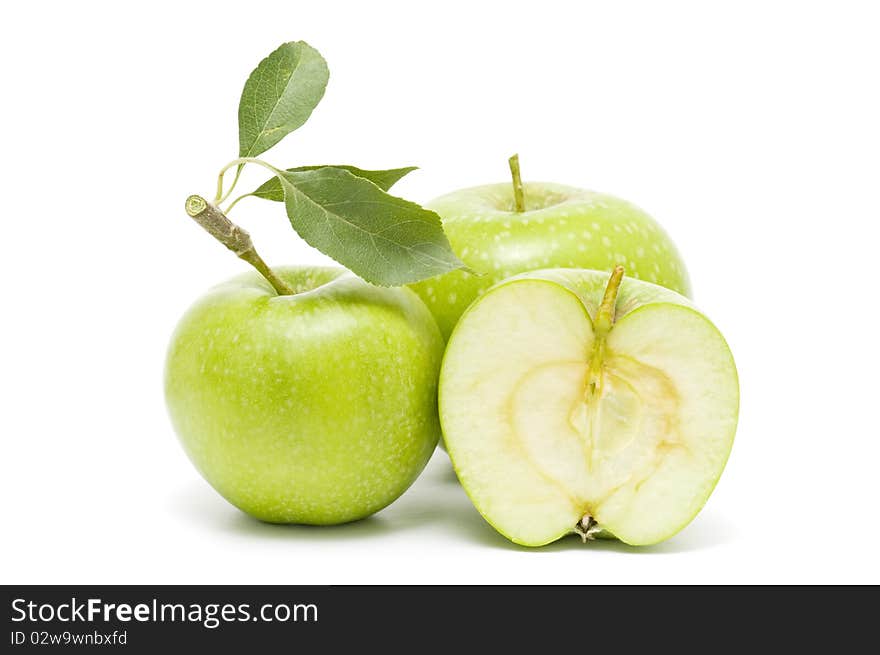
x=750, y=130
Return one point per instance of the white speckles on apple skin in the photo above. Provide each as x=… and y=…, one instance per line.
x=563, y=227
x=317, y=408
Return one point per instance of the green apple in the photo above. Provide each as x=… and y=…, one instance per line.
x=568, y=410
x=316, y=407
x=561, y=226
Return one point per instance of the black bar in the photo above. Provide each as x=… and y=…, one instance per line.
x=328, y=619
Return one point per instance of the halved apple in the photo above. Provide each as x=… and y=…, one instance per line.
x=569, y=409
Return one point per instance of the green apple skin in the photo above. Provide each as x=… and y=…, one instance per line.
x=316, y=408
x=562, y=227
x=535, y=450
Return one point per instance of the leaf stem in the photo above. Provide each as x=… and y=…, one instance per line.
x=236, y=201
x=218, y=199
x=518, y=195
x=240, y=162
x=233, y=237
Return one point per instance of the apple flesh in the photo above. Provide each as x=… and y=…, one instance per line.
x=562, y=227
x=557, y=421
x=318, y=407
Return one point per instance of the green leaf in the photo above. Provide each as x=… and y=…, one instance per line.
x=386, y=240
x=279, y=96
x=271, y=189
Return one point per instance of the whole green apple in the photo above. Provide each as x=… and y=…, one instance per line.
x=569, y=410
x=316, y=407
x=560, y=226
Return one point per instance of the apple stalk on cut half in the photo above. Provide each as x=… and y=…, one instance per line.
x=572, y=402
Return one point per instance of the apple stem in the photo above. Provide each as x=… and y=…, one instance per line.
x=519, y=199
x=233, y=237
x=601, y=327
x=605, y=315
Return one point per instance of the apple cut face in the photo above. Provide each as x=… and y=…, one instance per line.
x=555, y=426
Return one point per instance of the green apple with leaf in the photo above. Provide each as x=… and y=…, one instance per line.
x=499, y=230
x=572, y=401
x=308, y=394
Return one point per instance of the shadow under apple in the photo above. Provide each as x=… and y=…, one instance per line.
x=435, y=503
